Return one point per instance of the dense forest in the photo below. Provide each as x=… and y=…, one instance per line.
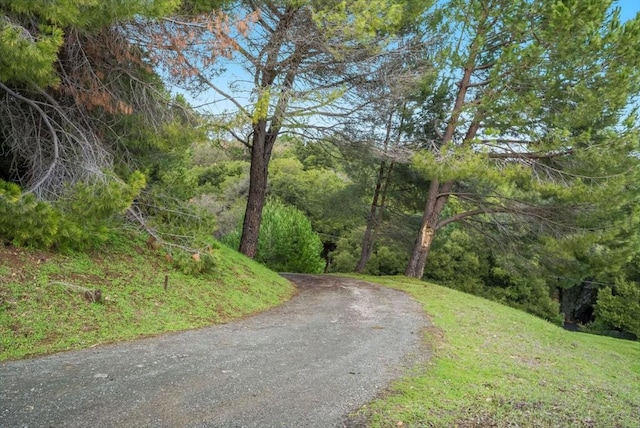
x=488, y=145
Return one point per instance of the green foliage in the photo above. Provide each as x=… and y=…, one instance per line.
x=169, y=209
x=26, y=221
x=218, y=177
x=620, y=306
x=24, y=59
x=345, y=257
x=80, y=220
x=462, y=260
x=528, y=293
x=366, y=18
x=32, y=32
x=458, y=261
x=196, y=7
x=215, y=180
x=318, y=155
x=388, y=257
x=194, y=264
x=287, y=242
x=312, y=190
x=570, y=171
x=88, y=210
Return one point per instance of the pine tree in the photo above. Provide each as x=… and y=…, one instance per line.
x=67, y=72
x=303, y=58
x=536, y=139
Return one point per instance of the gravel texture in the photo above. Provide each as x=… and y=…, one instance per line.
x=307, y=363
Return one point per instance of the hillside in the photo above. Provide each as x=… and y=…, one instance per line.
x=494, y=366
x=45, y=306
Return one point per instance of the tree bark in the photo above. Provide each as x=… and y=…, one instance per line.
x=377, y=204
x=258, y=175
x=372, y=221
x=439, y=192
x=263, y=142
x=262, y=145
x=436, y=201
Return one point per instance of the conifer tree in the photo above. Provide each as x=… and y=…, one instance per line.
x=302, y=58
x=67, y=73
x=539, y=137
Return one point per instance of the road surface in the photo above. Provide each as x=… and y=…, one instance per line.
x=308, y=363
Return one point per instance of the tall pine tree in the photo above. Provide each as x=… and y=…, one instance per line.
x=539, y=136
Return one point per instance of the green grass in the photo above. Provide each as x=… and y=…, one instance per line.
x=494, y=366
x=42, y=310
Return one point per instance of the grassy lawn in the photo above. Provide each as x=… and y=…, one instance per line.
x=42, y=308
x=494, y=366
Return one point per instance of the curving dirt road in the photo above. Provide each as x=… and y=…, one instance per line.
x=307, y=363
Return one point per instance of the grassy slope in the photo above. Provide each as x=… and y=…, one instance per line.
x=39, y=315
x=497, y=366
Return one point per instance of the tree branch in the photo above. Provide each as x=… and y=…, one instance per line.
x=529, y=155
x=49, y=125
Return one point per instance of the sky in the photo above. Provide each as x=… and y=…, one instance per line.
x=628, y=8
x=214, y=104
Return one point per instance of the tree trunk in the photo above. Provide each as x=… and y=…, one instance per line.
x=436, y=201
x=261, y=148
x=372, y=221
x=377, y=204
x=258, y=174
x=439, y=192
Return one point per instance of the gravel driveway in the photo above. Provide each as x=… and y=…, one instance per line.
x=307, y=363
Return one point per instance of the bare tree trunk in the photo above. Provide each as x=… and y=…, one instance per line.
x=375, y=216
x=372, y=221
x=258, y=174
x=377, y=204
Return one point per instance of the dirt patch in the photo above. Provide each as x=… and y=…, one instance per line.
x=17, y=260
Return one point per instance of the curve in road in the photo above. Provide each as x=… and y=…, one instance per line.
x=307, y=363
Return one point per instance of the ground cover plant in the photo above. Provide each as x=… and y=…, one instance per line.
x=44, y=305
x=495, y=366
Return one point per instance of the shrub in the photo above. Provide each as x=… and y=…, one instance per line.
x=286, y=242
x=26, y=221
x=79, y=220
x=620, y=306
x=194, y=264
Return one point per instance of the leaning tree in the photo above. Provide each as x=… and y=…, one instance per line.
x=538, y=136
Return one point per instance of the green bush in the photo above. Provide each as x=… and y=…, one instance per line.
x=458, y=261
x=620, y=306
x=26, y=221
x=194, y=264
x=347, y=253
x=387, y=257
x=286, y=242
x=79, y=220
x=526, y=293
